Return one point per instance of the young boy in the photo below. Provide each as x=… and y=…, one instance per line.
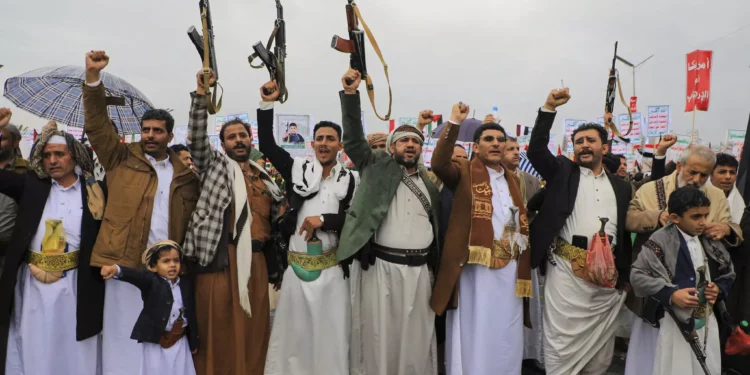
x=168, y=314
x=686, y=273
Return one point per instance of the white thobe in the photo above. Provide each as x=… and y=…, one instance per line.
x=663, y=351
x=122, y=301
x=176, y=359
x=580, y=319
x=42, y=333
x=311, y=326
x=484, y=336
x=393, y=326
x=736, y=205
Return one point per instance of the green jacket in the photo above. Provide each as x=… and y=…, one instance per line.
x=380, y=176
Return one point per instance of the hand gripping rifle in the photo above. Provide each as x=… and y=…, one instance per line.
x=274, y=61
x=355, y=47
x=609, y=105
x=205, y=46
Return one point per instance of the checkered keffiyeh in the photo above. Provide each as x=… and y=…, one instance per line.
x=217, y=182
x=55, y=94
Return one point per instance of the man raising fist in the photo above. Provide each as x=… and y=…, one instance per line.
x=577, y=339
x=154, y=196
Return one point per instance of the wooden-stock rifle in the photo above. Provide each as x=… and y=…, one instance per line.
x=613, y=84
x=205, y=47
x=355, y=47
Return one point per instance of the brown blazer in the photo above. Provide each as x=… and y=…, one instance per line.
x=132, y=184
x=455, y=174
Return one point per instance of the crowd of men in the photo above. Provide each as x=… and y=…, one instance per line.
x=384, y=268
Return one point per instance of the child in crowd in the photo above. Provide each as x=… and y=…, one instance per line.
x=167, y=325
x=684, y=273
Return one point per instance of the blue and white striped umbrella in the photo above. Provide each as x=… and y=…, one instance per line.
x=55, y=94
x=526, y=166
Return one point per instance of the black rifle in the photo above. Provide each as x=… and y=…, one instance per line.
x=205, y=47
x=609, y=104
x=692, y=339
x=355, y=47
x=274, y=61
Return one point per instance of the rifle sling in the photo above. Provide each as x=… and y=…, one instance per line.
x=211, y=104
x=368, y=79
x=611, y=125
x=280, y=74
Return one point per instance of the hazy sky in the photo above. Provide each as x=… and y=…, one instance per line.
x=482, y=52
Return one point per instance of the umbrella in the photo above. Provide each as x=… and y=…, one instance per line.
x=466, y=134
x=55, y=94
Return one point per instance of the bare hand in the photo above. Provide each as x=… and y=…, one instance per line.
x=711, y=292
x=716, y=231
x=488, y=119
x=667, y=141
x=351, y=81
x=424, y=119
x=664, y=218
x=50, y=125
x=96, y=61
x=5, y=115
x=459, y=113
x=608, y=118
x=201, y=90
x=310, y=224
x=272, y=88
x=556, y=98
x=685, y=298
x=109, y=272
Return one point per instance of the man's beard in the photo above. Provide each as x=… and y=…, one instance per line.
x=588, y=164
x=6, y=154
x=682, y=183
x=401, y=159
x=237, y=158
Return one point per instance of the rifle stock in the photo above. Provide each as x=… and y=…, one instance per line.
x=273, y=61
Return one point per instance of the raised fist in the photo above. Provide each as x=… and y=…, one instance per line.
x=351, y=81
x=424, y=118
x=459, y=113
x=269, y=92
x=667, y=141
x=96, y=61
x=108, y=272
x=557, y=98
x=5, y=115
x=199, y=78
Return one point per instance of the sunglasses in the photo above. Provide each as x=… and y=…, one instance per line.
x=490, y=138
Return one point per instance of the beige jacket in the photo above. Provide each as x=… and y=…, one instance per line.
x=643, y=213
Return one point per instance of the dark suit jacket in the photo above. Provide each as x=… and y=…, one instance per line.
x=31, y=193
x=157, y=305
x=562, y=176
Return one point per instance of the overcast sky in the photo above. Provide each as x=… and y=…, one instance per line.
x=507, y=53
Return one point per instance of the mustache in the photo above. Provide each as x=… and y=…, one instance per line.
x=240, y=145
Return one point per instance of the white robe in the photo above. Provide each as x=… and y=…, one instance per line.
x=174, y=360
x=311, y=330
x=580, y=321
x=42, y=333
x=393, y=326
x=484, y=336
x=122, y=304
x=533, y=338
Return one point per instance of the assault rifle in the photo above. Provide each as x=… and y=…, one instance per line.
x=609, y=105
x=205, y=47
x=689, y=334
x=355, y=47
x=274, y=61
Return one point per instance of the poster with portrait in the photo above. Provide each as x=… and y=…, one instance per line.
x=293, y=129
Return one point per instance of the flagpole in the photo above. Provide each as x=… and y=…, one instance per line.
x=692, y=130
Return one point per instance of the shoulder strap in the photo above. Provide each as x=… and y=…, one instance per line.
x=349, y=191
x=415, y=189
x=661, y=195
x=368, y=79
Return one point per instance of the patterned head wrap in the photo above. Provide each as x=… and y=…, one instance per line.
x=157, y=247
x=374, y=138
x=401, y=132
x=84, y=167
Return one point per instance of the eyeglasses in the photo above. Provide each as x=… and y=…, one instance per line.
x=489, y=138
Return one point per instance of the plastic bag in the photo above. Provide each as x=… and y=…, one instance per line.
x=600, y=263
x=738, y=343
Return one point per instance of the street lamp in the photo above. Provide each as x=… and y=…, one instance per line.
x=634, y=67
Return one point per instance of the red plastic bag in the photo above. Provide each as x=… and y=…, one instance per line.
x=738, y=343
x=600, y=263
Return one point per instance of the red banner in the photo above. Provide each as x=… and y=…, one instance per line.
x=698, y=80
x=633, y=104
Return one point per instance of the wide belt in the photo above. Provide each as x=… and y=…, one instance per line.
x=49, y=268
x=410, y=257
x=314, y=262
x=56, y=262
x=576, y=256
x=498, y=257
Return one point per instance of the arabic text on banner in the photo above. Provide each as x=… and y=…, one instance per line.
x=635, y=133
x=218, y=122
x=698, y=80
x=658, y=120
x=736, y=142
